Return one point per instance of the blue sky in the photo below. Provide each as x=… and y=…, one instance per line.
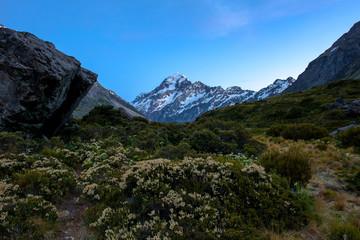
x=134, y=44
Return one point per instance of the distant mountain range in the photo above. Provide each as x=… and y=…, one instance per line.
x=177, y=99
x=98, y=95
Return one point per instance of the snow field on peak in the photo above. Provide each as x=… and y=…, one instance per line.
x=186, y=102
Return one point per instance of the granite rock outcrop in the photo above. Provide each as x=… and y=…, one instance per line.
x=39, y=85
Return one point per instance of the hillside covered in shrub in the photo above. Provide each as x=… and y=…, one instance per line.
x=108, y=176
x=317, y=105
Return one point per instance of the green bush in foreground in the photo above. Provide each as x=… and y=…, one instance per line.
x=350, y=137
x=354, y=181
x=197, y=199
x=12, y=142
x=304, y=131
x=293, y=164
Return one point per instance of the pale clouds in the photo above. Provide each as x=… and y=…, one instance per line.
x=228, y=16
x=275, y=9
x=224, y=17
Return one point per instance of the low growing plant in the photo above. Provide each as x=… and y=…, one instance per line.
x=304, y=131
x=344, y=231
x=350, y=137
x=293, y=164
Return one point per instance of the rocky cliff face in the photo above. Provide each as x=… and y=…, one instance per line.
x=97, y=96
x=40, y=86
x=341, y=60
x=176, y=99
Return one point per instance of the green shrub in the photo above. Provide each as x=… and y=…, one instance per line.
x=303, y=131
x=354, y=181
x=141, y=119
x=350, y=137
x=11, y=164
x=106, y=116
x=321, y=146
x=205, y=141
x=335, y=114
x=251, y=149
x=275, y=130
x=26, y=218
x=175, y=152
x=12, y=142
x=95, y=131
x=293, y=164
x=71, y=159
x=111, y=142
x=48, y=182
x=327, y=139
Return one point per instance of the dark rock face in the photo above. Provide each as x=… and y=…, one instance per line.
x=97, y=96
x=39, y=85
x=340, y=61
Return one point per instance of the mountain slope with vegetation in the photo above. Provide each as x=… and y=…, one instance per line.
x=127, y=178
x=312, y=106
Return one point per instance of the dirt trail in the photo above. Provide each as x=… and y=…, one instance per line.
x=72, y=227
x=71, y=224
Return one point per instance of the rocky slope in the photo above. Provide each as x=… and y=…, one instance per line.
x=341, y=60
x=40, y=86
x=176, y=99
x=98, y=95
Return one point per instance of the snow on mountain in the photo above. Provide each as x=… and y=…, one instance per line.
x=177, y=99
x=274, y=89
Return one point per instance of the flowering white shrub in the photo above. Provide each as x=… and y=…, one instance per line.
x=196, y=198
x=227, y=198
x=18, y=215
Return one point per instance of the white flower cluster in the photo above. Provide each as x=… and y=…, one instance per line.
x=100, y=168
x=177, y=194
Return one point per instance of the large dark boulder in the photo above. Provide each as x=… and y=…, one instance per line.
x=39, y=85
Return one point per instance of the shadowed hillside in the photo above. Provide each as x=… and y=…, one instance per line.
x=312, y=106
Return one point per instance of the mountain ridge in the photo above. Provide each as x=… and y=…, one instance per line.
x=340, y=61
x=177, y=99
x=97, y=96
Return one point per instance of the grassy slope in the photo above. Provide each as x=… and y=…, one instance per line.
x=309, y=106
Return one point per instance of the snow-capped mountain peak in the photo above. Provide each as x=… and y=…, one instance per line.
x=177, y=99
x=274, y=89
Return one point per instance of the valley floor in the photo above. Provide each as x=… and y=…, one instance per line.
x=75, y=194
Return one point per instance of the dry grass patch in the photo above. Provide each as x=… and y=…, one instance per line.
x=272, y=235
x=340, y=202
x=312, y=232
